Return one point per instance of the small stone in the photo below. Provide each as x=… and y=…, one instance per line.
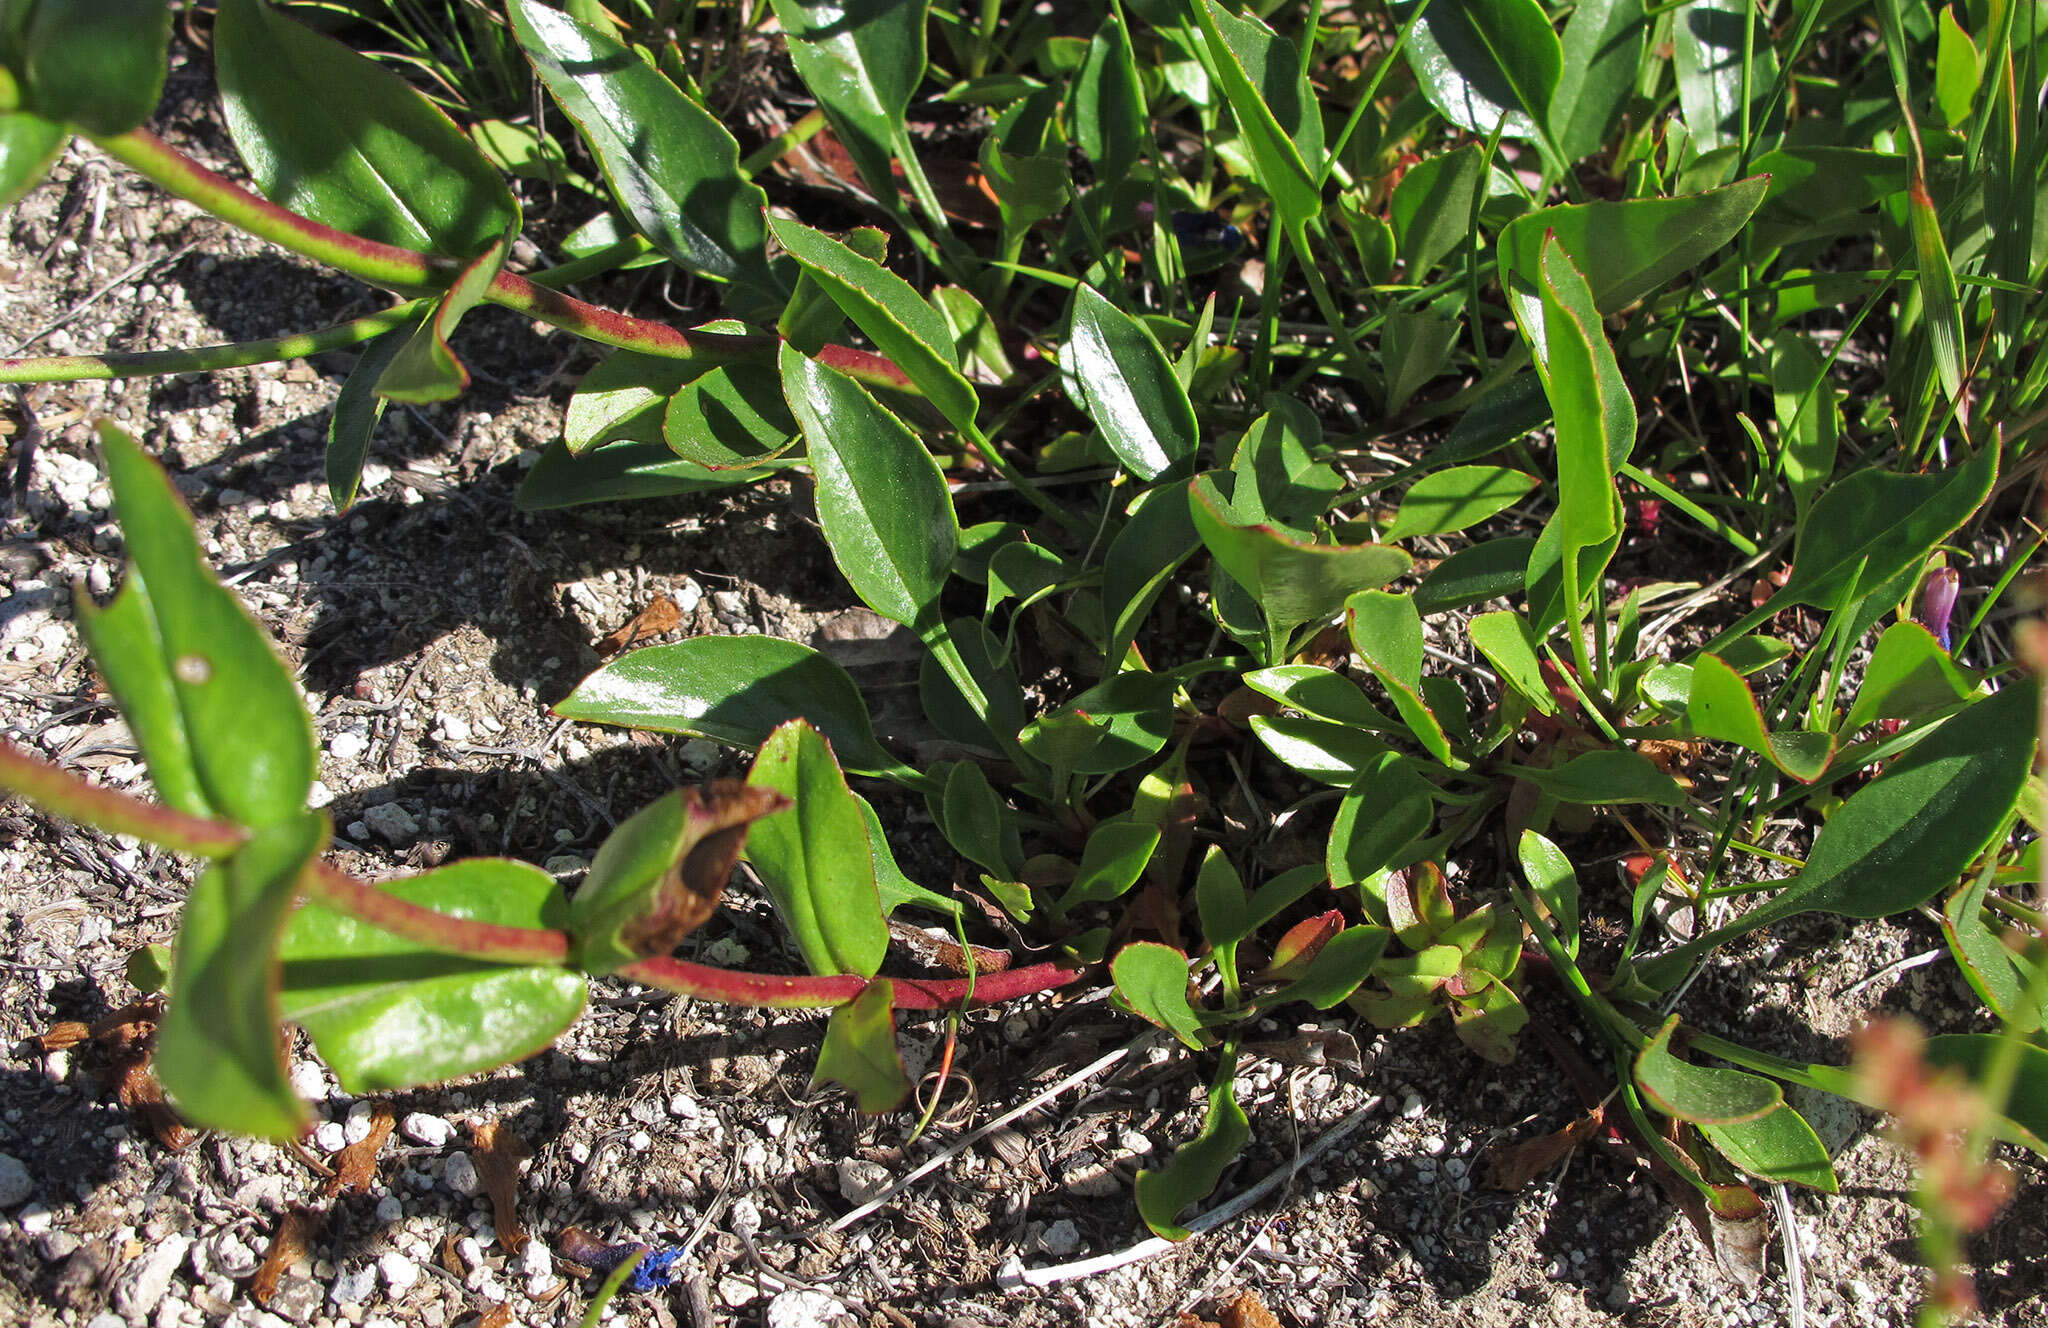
x=454, y=728
x=330, y=1136
x=639, y=1141
x=144, y=1281
x=354, y=1286
x=806, y=1309
x=861, y=1181
x=35, y=1219
x=421, y=1128
x=392, y=823
x=296, y=1298
x=1061, y=1239
x=357, y=1127
x=398, y=1271
x=390, y=1209
x=347, y=745
x=16, y=1184
x=56, y=1246
x=458, y=1173
x=470, y=1251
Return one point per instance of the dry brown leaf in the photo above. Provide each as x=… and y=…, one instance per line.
x=356, y=1165
x=689, y=893
x=296, y=1231
x=1247, y=1311
x=496, y=1314
x=63, y=1036
x=1514, y=1166
x=138, y=1090
x=498, y=1153
x=661, y=615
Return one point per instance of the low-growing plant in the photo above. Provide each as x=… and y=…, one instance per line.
x=1198, y=740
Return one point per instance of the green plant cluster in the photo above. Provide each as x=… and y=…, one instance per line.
x=1596, y=275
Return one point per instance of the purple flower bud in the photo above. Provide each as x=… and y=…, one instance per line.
x=1146, y=211
x=1938, y=601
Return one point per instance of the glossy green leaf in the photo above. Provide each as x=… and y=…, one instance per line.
x=1294, y=582
x=29, y=145
x=246, y=728
x=1277, y=113
x=881, y=498
x=388, y=1014
x=1108, y=103
x=1113, y=859
x=1319, y=693
x=994, y=670
x=1544, y=577
x=1909, y=675
x=1508, y=644
x=624, y=397
x=1152, y=982
x=1431, y=209
x=1974, y=1054
x=1809, y=418
x=1877, y=523
x=1942, y=306
x=424, y=369
x=1550, y=875
x=1777, y=1146
x=1451, y=500
x=1386, y=630
x=1722, y=706
x=862, y=62
x=1701, y=1094
x=1221, y=901
x=1277, y=477
x=217, y=1050
x=1475, y=574
x=1905, y=836
x=1026, y=573
x=1818, y=189
x=1143, y=557
x=97, y=64
x=336, y=137
x=974, y=820
x=1382, y=815
x=1344, y=962
x=890, y=313
x=859, y=1050
x=1605, y=777
x=1332, y=753
x=1602, y=56
x=734, y=416
x=1415, y=348
x=1627, y=249
x=814, y=858
x=657, y=877
x=1197, y=1165
x=128, y=653
x=671, y=164
x=1994, y=969
x=358, y=409
x=896, y=889
x=1133, y=715
x=1128, y=388
x=731, y=689
x=1485, y=63
x=1957, y=69
x=622, y=472
x=1708, y=56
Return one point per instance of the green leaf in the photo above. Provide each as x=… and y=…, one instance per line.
x=1722, y=706
x=898, y=890
x=29, y=144
x=862, y=63
x=217, y=1051
x=336, y=137
x=97, y=64
x=1550, y=875
x=1905, y=836
x=1379, y=820
x=1332, y=753
x=1221, y=901
x=671, y=164
x=814, y=858
x=658, y=876
x=1817, y=190
x=974, y=820
x=1143, y=557
x=1294, y=582
x=1909, y=675
x=1111, y=863
x=1197, y=1165
x=1701, y=1094
x=237, y=704
x=1319, y=693
x=620, y=473
x=1345, y=961
x=358, y=410
x=389, y=1014
x=1108, y=104
x=1152, y=982
x=1943, y=306
x=881, y=498
x=989, y=662
x=1431, y=209
x=1707, y=38
x=1132, y=713
x=1386, y=630
x=424, y=369
x=1975, y=1053
x=1128, y=388
x=731, y=689
x=624, y=397
x=1604, y=777
x=890, y=313
x=1474, y=575
x=1415, y=347
x=1777, y=1146
x=734, y=416
x=1276, y=111
x=1451, y=500
x=1957, y=69
x=859, y=1050
x=1277, y=476
x=1486, y=63
x=1602, y=55
x=1628, y=249
x=1809, y=418
x=1508, y=644
x=1877, y=523
x=128, y=652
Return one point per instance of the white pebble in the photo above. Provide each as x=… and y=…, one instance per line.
x=421, y=1128
x=399, y=1272
x=347, y=745
x=458, y=1173
x=330, y=1137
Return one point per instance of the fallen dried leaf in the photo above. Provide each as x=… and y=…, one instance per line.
x=295, y=1232
x=495, y=1315
x=356, y=1165
x=661, y=615
x=63, y=1036
x=1514, y=1166
x=1247, y=1311
x=498, y=1153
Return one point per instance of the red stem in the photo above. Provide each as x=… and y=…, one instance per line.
x=799, y=993
x=110, y=810
x=464, y=936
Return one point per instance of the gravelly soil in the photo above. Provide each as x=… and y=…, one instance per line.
x=432, y=624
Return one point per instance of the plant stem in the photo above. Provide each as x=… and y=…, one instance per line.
x=204, y=359
x=438, y=931
x=64, y=793
x=809, y=993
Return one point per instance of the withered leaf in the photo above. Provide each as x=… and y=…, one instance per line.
x=356, y=1165
x=1515, y=1165
x=499, y=1151
x=63, y=1036
x=296, y=1231
x=1247, y=1311
x=496, y=1314
x=660, y=616
x=137, y=1089
x=689, y=893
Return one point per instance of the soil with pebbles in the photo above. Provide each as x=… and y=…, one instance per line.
x=432, y=624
